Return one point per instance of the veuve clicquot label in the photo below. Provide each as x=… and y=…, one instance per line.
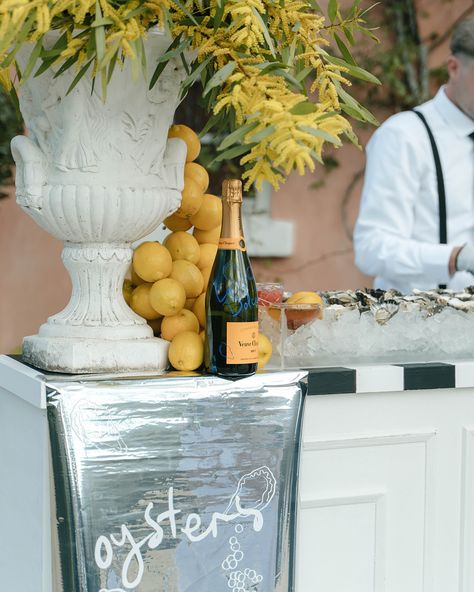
x=242, y=343
x=231, y=347
x=232, y=244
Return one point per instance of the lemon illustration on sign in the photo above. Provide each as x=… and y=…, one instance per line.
x=185, y=320
x=183, y=245
x=209, y=214
x=189, y=136
x=186, y=351
x=198, y=173
x=188, y=275
x=167, y=296
x=140, y=302
x=191, y=199
x=175, y=223
x=207, y=236
x=152, y=261
x=208, y=254
x=265, y=350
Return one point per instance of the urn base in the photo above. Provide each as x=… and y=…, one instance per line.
x=93, y=356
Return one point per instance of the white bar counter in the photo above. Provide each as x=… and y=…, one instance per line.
x=386, y=483
x=386, y=499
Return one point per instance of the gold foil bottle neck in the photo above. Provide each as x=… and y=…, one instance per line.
x=232, y=190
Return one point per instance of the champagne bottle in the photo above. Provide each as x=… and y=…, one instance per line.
x=231, y=348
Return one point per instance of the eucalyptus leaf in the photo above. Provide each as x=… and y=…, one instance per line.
x=349, y=35
x=261, y=135
x=237, y=135
x=113, y=61
x=233, y=152
x=220, y=77
x=26, y=28
x=33, y=58
x=67, y=64
x=344, y=50
x=332, y=10
x=220, y=6
x=195, y=73
x=101, y=22
x=176, y=47
x=79, y=76
x=319, y=133
x=304, y=108
x=182, y=7
x=265, y=31
x=354, y=71
x=352, y=103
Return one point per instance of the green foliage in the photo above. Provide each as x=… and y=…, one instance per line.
x=10, y=126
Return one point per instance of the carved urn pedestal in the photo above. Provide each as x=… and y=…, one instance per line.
x=99, y=175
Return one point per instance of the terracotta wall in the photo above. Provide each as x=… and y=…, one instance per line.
x=325, y=217
x=34, y=283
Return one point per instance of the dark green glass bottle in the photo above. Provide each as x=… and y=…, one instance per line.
x=231, y=348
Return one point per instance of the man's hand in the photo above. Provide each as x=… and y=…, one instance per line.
x=465, y=259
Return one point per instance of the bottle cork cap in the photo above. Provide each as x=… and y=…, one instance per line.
x=232, y=190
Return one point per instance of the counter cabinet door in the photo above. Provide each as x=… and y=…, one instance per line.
x=386, y=488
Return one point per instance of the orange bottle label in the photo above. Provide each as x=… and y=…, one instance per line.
x=242, y=343
x=232, y=244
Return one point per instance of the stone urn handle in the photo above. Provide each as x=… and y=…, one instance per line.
x=30, y=172
x=174, y=159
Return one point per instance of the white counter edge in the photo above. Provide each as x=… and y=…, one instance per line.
x=22, y=381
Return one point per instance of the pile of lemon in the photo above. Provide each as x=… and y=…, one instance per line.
x=169, y=281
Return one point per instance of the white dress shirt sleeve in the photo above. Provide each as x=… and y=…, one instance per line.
x=383, y=237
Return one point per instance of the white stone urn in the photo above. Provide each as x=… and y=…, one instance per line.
x=99, y=175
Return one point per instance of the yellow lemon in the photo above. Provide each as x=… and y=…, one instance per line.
x=156, y=326
x=208, y=254
x=209, y=214
x=202, y=335
x=187, y=274
x=185, y=133
x=186, y=351
x=185, y=320
x=183, y=245
x=265, y=350
x=305, y=298
x=167, y=296
x=140, y=302
x=127, y=290
x=175, y=223
x=189, y=303
x=198, y=173
x=199, y=309
x=136, y=279
x=206, y=272
x=152, y=261
x=191, y=199
x=207, y=236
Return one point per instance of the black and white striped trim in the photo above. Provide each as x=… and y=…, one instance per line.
x=390, y=378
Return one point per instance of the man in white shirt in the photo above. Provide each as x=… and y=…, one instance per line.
x=399, y=232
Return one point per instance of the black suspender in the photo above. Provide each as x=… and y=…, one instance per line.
x=443, y=230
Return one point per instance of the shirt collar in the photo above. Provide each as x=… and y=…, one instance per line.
x=454, y=117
